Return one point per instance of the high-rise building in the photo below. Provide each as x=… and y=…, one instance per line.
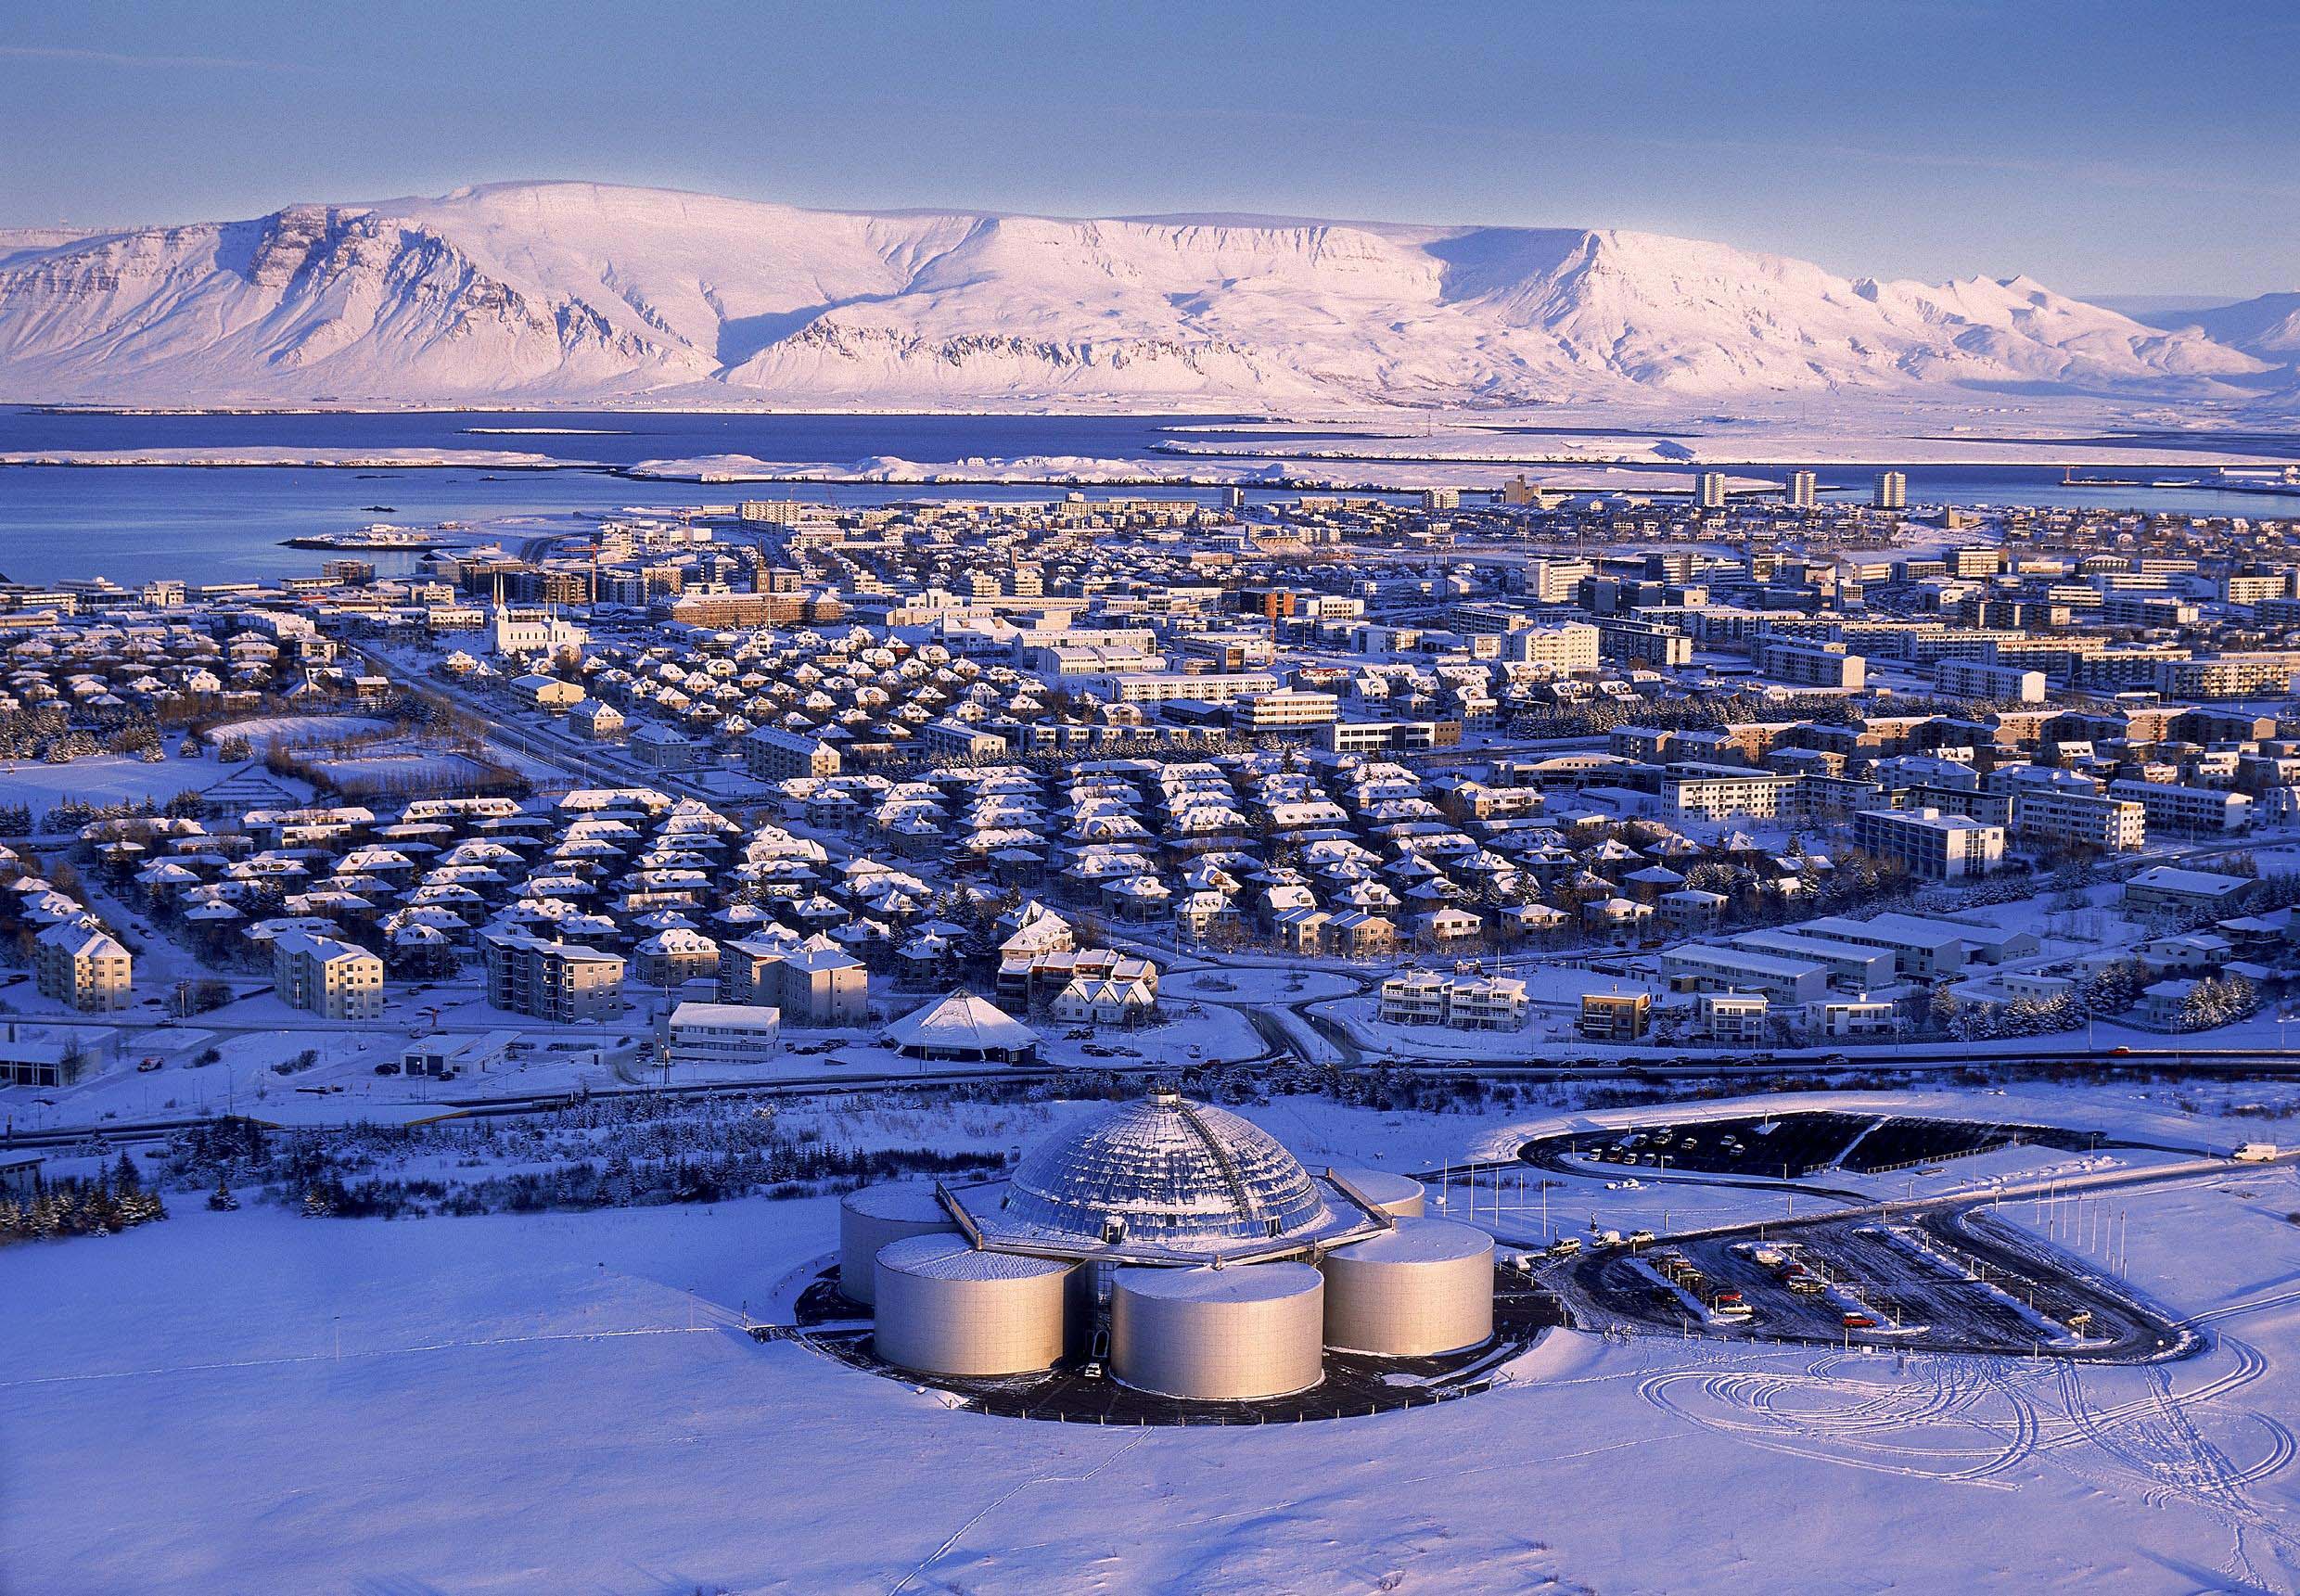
x=1892, y=490
x=1709, y=489
x=1804, y=489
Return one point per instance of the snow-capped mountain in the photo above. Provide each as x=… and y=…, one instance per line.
x=579, y=293
x=2268, y=327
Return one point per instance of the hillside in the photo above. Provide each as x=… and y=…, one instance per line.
x=579, y=293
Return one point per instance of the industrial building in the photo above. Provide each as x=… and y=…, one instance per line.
x=1175, y=1243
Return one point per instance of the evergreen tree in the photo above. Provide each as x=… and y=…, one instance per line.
x=221, y=1199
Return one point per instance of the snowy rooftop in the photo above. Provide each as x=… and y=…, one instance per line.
x=1158, y=1177
x=955, y=1257
x=1254, y=1283
x=961, y=1020
x=1422, y=1241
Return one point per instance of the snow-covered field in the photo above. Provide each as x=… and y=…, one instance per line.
x=102, y=778
x=255, y=1402
x=364, y=459
x=264, y=732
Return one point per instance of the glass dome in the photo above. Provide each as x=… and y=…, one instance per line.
x=1165, y=1170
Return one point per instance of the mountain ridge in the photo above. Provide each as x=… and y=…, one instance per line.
x=587, y=293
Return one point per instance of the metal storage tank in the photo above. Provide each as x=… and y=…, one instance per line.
x=1253, y=1330
x=1424, y=1288
x=873, y=1216
x=1397, y=1196
x=946, y=1309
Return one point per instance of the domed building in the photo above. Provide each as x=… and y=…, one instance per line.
x=1163, y=1174
x=1183, y=1243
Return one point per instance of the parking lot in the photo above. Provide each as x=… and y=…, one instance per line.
x=1791, y=1147
x=1940, y=1283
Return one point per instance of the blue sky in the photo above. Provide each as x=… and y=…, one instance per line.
x=2106, y=148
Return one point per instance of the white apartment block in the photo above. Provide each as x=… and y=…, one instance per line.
x=1568, y=647
x=1935, y=846
x=2265, y=674
x=547, y=980
x=722, y=1034
x=773, y=754
x=1459, y=1002
x=82, y=966
x=321, y=976
x=1157, y=687
x=1722, y=792
x=2205, y=811
x=1812, y=664
x=1972, y=679
x=2082, y=820
x=1285, y=708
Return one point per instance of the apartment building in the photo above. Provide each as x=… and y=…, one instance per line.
x=321, y=975
x=1615, y=1016
x=1565, y=648
x=82, y=966
x=2251, y=590
x=1734, y=1019
x=1157, y=687
x=1935, y=846
x=1974, y=679
x=1628, y=640
x=810, y=986
x=2198, y=811
x=1459, y=1002
x=1555, y=580
x=1813, y=665
x=1698, y=967
x=722, y=1034
x=2167, y=889
x=773, y=754
x=2266, y=673
x=2077, y=819
x=1285, y=709
x=1723, y=792
x=551, y=981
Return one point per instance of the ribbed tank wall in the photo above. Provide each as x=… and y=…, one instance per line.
x=1218, y=1334
x=944, y=1309
x=1419, y=1290
x=873, y=1216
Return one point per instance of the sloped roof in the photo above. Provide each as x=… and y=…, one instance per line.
x=961, y=1020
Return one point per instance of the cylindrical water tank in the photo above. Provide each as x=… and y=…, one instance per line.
x=1421, y=1289
x=1397, y=1196
x=945, y=1309
x=873, y=1216
x=1217, y=1334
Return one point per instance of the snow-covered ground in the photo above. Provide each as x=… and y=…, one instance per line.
x=364, y=459
x=257, y=1401
x=264, y=732
x=104, y=778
